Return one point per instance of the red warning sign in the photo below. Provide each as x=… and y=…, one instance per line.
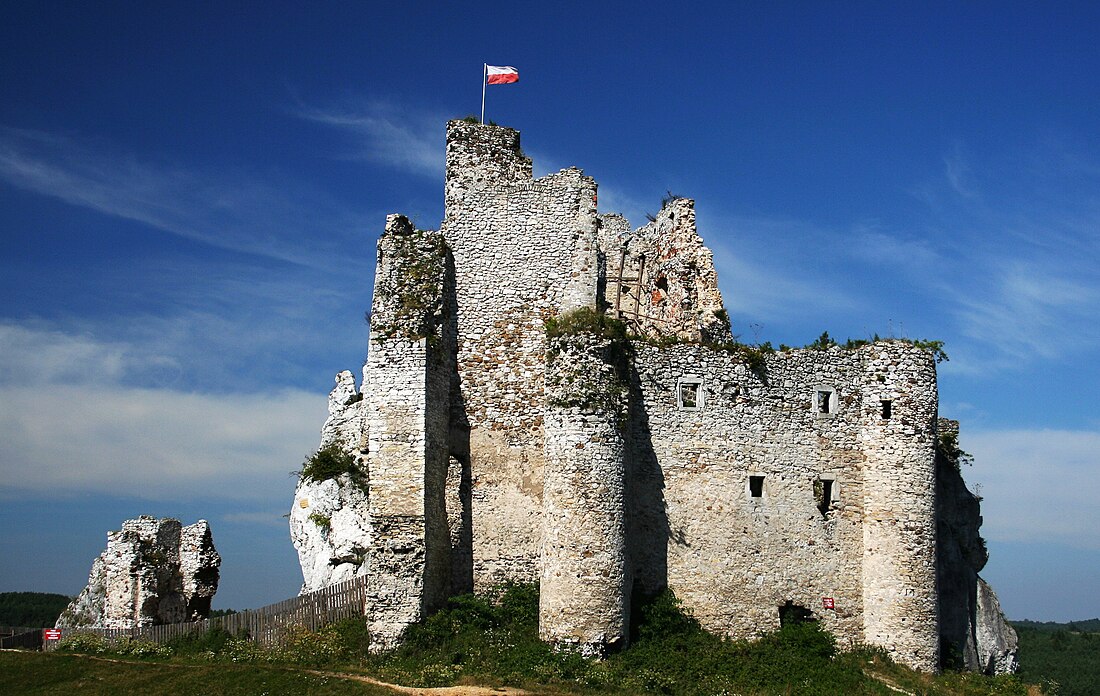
x=52, y=634
x=828, y=603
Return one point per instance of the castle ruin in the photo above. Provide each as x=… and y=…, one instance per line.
x=507, y=430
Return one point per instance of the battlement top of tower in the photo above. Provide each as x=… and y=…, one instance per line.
x=480, y=154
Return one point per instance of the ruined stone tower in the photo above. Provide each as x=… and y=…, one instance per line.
x=552, y=396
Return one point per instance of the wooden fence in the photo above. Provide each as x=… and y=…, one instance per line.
x=266, y=625
x=20, y=637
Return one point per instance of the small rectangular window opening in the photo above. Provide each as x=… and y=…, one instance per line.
x=689, y=392
x=689, y=395
x=823, y=492
x=823, y=399
x=886, y=409
x=756, y=486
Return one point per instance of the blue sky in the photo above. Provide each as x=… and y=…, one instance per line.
x=190, y=196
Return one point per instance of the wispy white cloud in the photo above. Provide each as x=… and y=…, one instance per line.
x=1038, y=485
x=901, y=252
x=400, y=137
x=1030, y=311
x=633, y=207
x=763, y=292
x=958, y=174
x=234, y=210
x=68, y=424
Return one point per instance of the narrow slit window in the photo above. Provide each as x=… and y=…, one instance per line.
x=823, y=492
x=823, y=401
x=756, y=486
x=887, y=409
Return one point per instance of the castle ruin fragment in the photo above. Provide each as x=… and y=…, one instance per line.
x=153, y=571
x=505, y=430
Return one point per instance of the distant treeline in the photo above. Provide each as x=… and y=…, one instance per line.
x=1067, y=654
x=1086, y=626
x=31, y=609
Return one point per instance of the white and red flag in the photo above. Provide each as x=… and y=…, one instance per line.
x=500, y=74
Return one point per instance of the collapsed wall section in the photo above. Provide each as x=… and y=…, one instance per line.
x=153, y=571
x=661, y=277
x=523, y=249
x=408, y=410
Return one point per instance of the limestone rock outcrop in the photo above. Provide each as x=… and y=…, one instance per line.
x=974, y=632
x=329, y=521
x=154, y=571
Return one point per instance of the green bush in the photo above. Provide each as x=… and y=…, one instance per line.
x=84, y=643
x=329, y=462
x=586, y=320
x=95, y=644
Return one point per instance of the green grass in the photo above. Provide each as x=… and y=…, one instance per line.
x=493, y=640
x=53, y=673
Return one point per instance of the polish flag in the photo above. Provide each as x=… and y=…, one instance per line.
x=500, y=74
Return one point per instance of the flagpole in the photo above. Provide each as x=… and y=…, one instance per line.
x=484, y=72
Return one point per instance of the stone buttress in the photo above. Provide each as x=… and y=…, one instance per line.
x=408, y=410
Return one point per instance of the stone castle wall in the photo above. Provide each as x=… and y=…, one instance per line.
x=809, y=428
x=516, y=243
x=802, y=484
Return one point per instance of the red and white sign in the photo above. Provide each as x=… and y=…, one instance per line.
x=828, y=603
x=52, y=634
x=500, y=74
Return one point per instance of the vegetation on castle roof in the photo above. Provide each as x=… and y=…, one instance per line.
x=586, y=320
x=412, y=294
x=584, y=380
x=825, y=342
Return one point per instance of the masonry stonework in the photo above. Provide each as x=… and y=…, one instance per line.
x=759, y=487
x=153, y=571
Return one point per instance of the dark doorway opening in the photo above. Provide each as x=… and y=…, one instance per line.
x=791, y=614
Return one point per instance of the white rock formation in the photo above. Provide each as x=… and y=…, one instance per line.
x=154, y=571
x=329, y=522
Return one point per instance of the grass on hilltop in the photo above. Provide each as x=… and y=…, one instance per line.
x=493, y=640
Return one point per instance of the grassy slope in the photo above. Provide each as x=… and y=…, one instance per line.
x=492, y=640
x=49, y=673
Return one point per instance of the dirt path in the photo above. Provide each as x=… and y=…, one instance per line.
x=428, y=691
